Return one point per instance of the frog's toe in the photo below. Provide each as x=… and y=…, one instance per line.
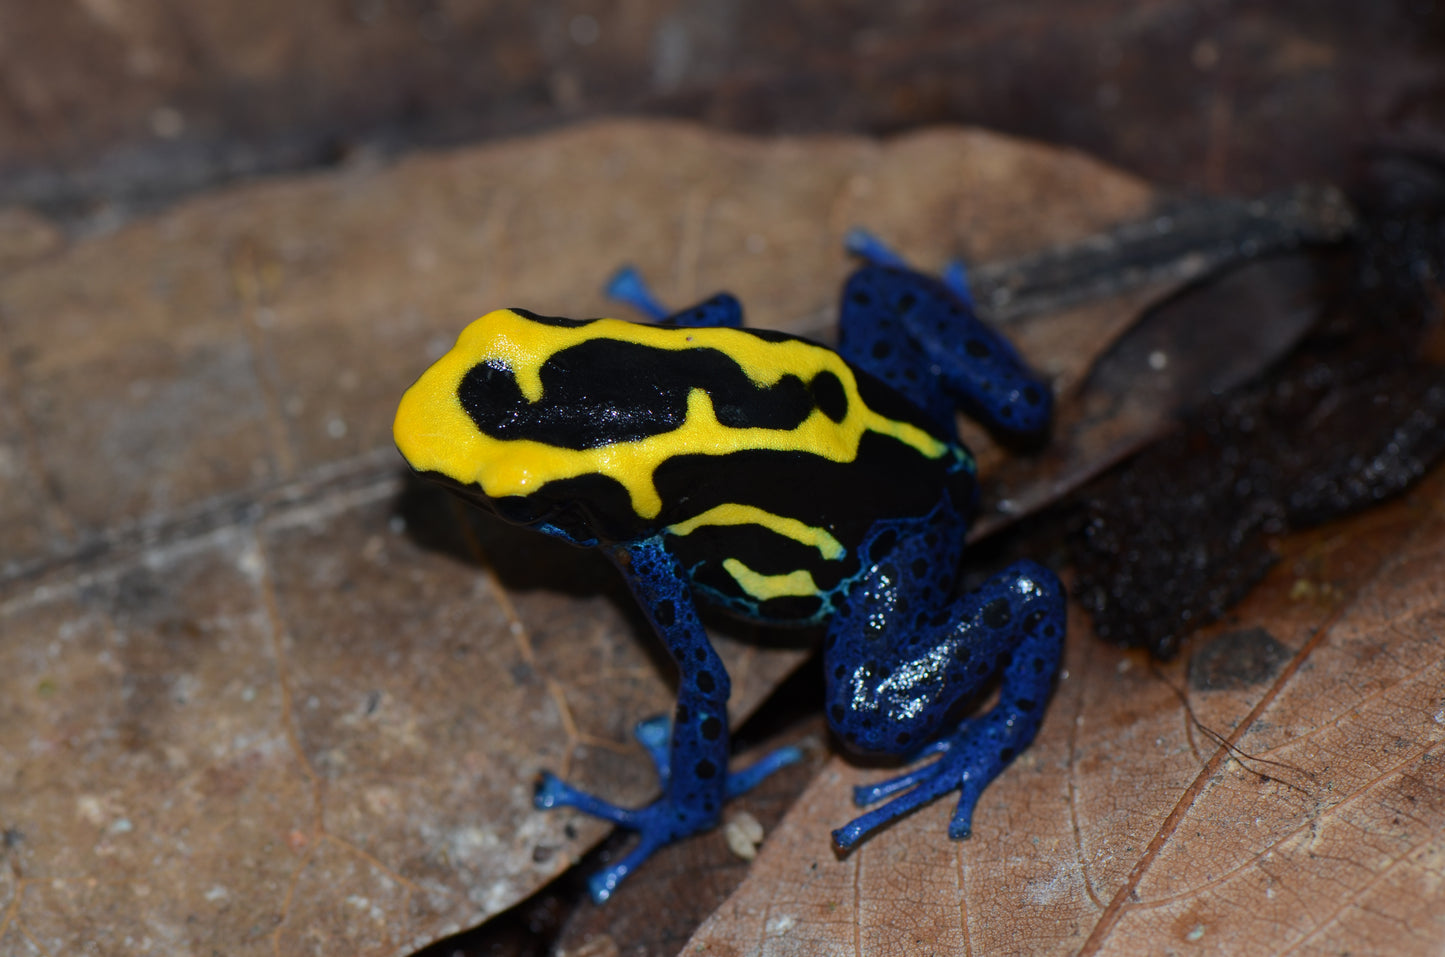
x=601, y=884
x=866, y=794
x=553, y=792
x=955, y=277
x=868, y=247
x=655, y=736
x=918, y=788
x=629, y=288
x=740, y=782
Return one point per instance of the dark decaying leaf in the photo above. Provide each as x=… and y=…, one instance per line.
x=1354, y=417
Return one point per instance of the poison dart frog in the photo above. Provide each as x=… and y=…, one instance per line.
x=786, y=482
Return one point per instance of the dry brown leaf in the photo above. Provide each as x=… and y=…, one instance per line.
x=1296, y=805
x=242, y=705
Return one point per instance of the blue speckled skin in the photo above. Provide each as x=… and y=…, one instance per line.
x=901, y=649
x=920, y=335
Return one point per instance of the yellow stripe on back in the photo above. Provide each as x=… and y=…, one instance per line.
x=435, y=434
x=762, y=587
x=734, y=514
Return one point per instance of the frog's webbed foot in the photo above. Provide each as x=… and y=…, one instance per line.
x=663, y=821
x=968, y=760
x=1018, y=617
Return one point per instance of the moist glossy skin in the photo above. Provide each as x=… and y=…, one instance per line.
x=786, y=482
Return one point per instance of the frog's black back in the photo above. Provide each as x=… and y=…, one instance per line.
x=763, y=459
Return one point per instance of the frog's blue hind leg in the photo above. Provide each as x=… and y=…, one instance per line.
x=690, y=751
x=873, y=250
x=627, y=286
x=921, y=336
x=898, y=662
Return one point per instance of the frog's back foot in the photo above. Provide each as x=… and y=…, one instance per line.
x=922, y=337
x=1017, y=616
x=629, y=288
x=868, y=247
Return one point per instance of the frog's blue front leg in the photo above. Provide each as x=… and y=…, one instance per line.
x=627, y=286
x=898, y=662
x=691, y=751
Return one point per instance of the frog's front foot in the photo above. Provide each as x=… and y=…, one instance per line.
x=669, y=818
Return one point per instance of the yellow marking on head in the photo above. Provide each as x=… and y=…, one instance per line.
x=434, y=433
x=735, y=514
x=762, y=587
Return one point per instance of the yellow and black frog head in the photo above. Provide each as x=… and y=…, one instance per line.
x=601, y=431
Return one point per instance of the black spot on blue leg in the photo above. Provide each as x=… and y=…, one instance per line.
x=882, y=545
x=996, y=614
x=705, y=770
x=711, y=728
x=705, y=682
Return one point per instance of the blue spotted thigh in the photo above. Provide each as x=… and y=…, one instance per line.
x=894, y=679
